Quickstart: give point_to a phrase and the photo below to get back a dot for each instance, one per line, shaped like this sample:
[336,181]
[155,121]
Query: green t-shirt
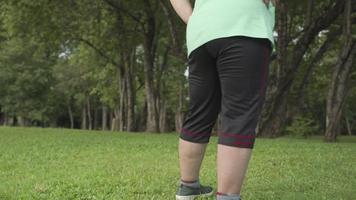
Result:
[213,19]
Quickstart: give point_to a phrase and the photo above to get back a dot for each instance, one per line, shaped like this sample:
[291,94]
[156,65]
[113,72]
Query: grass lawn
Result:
[44,163]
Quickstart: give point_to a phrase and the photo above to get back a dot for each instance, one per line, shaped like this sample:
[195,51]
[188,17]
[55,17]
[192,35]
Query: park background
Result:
[85,86]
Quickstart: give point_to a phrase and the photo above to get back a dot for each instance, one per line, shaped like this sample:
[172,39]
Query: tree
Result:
[341,74]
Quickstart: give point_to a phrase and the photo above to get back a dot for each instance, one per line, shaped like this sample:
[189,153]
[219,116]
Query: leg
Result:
[190,158]
[232,163]
[242,65]
[204,107]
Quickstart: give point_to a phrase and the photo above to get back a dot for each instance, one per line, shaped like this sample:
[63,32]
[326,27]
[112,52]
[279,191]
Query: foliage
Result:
[302,126]
[25,77]
[54,54]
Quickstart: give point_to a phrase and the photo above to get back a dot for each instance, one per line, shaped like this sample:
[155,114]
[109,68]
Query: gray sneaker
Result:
[190,193]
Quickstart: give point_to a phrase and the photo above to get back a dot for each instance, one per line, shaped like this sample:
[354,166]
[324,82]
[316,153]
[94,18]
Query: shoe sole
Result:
[192,197]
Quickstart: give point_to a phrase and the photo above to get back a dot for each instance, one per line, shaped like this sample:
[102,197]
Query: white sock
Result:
[220,196]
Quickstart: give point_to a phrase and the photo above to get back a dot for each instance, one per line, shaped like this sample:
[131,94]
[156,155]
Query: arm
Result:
[183,8]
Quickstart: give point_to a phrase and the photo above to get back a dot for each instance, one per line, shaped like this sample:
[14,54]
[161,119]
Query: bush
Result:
[302,126]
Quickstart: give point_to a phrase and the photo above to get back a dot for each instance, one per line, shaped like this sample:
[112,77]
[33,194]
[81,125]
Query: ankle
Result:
[194,183]
[222,196]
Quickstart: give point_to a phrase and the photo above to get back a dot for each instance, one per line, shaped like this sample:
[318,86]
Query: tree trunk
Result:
[22,121]
[163,126]
[177,49]
[142,118]
[121,114]
[131,93]
[338,87]
[274,113]
[128,58]
[348,126]
[151,122]
[115,120]
[70,114]
[90,121]
[84,117]
[6,119]
[9,120]
[111,120]
[104,118]
[96,118]
[179,117]
[149,55]
[274,116]
[302,91]
[161,88]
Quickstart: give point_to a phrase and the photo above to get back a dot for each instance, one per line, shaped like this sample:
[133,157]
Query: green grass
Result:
[38,163]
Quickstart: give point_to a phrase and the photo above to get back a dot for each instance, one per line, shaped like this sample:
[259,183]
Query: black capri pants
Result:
[229,76]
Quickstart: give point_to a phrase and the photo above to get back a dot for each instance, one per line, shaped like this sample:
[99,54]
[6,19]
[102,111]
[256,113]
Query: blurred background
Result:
[121,65]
